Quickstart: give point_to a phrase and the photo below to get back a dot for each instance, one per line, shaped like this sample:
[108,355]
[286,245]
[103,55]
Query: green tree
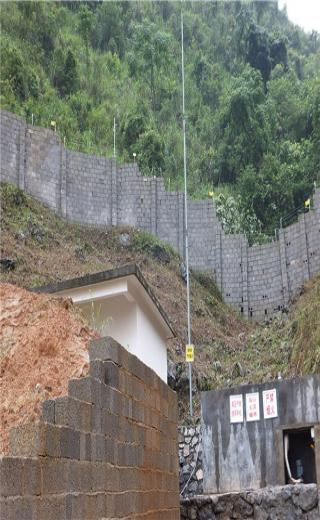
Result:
[86,20]
[65,76]
[150,152]
[16,71]
[259,51]
[151,57]
[280,185]
[107,30]
[244,125]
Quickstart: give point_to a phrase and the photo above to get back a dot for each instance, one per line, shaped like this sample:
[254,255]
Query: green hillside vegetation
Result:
[43,248]
[252,93]
[288,345]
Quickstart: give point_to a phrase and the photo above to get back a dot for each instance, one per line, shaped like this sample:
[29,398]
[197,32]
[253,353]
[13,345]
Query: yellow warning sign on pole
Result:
[190,353]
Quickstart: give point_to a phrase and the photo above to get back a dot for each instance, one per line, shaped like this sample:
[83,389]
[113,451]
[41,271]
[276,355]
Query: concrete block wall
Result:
[88,188]
[134,197]
[12,136]
[107,450]
[169,217]
[265,294]
[42,166]
[202,224]
[257,281]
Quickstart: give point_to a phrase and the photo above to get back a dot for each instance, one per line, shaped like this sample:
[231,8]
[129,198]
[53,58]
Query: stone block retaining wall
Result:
[257,281]
[299,502]
[107,450]
[190,460]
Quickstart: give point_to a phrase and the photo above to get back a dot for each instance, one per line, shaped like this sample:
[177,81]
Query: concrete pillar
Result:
[304,249]
[283,265]
[316,200]
[219,259]
[154,205]
[317,450]
[63,181]
[22,156]
[281,478]
[244,274]
[114,193]
[180,223]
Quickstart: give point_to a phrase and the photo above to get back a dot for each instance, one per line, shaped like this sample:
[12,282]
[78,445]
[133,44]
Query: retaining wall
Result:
[258,280]
[107,450]
[190,460]
[277,503]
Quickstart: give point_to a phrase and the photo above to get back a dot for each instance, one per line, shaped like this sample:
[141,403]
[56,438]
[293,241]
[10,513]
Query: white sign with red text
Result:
[236,408]
[252,407]
[270,406]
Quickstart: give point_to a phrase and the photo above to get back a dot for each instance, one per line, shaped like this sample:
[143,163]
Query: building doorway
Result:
[300,462]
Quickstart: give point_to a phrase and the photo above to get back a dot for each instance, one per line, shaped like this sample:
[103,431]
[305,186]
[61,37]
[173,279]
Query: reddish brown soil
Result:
[43,344]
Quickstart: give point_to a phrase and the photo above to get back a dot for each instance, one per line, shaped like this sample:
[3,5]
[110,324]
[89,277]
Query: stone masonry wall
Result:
[258,280]
[107,450]
[277,503]
[190,461]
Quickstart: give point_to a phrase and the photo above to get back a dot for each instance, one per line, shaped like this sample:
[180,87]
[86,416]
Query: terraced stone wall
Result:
[258,281]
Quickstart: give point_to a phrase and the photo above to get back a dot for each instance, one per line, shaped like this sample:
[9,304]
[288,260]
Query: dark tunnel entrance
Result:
[301,455]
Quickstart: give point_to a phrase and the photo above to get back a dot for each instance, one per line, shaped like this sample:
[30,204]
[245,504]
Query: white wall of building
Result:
[115,317]
[123,310]
[150,344]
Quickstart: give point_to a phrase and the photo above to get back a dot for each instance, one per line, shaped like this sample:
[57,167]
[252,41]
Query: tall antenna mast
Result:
[186,214]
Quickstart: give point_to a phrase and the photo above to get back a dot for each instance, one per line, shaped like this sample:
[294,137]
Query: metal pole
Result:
[186,213]
[114,137]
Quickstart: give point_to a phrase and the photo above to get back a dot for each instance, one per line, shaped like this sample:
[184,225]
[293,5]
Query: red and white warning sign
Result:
[252,407]
[270,405]
[236,408]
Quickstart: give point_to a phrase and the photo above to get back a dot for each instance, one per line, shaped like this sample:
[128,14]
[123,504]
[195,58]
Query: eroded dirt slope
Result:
[43,343]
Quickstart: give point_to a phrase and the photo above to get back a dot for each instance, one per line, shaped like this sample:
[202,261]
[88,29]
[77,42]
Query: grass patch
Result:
[145,242]
[208,283]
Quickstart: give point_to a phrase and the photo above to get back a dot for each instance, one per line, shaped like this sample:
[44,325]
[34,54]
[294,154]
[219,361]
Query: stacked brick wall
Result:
[106,450]
[257,281]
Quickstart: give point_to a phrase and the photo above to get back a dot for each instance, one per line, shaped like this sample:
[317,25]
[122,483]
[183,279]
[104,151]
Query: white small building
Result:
[119,303]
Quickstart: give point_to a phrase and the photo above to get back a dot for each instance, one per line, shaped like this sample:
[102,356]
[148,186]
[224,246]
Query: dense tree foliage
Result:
[252,93]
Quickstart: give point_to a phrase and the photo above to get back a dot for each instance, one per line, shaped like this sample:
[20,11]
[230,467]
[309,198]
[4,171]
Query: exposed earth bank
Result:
[44,343]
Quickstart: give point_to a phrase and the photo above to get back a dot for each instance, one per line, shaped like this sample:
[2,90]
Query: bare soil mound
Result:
[43,344]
